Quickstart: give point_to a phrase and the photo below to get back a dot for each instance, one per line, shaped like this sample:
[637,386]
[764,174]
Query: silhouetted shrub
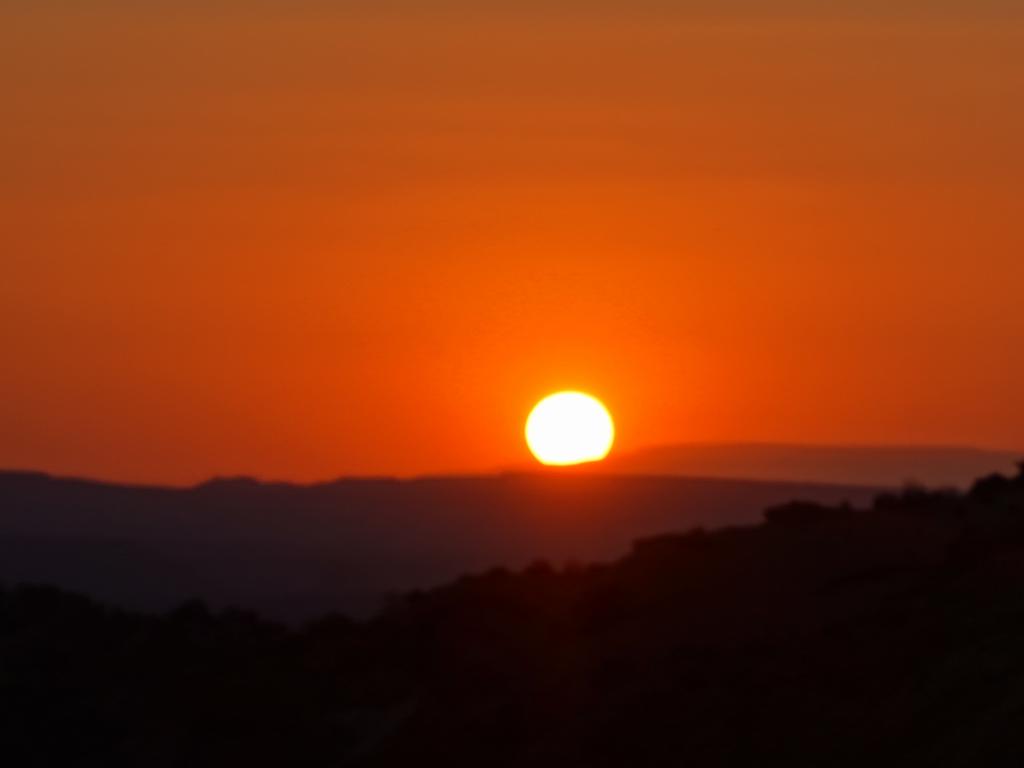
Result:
[917,500]
[990,490]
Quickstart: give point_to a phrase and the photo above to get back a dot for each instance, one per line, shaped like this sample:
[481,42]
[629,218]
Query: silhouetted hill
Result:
[889,636]
[294,551]
[891,466]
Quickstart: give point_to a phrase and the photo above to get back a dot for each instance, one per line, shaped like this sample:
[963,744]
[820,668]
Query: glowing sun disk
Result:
[569,428]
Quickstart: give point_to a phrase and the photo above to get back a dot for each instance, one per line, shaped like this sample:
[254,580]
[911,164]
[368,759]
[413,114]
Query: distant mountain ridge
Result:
[293,551]
[835,636]
[876,465]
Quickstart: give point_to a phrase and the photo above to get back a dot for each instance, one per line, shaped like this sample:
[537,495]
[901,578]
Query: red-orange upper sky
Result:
[305,239]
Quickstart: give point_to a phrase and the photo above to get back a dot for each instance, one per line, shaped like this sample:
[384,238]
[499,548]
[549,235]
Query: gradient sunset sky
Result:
[302,239]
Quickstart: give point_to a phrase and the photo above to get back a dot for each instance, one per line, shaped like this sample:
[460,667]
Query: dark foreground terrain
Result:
[825,636]
[294,552]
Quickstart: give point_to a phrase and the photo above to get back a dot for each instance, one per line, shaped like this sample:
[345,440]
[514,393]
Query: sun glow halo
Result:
[569,428]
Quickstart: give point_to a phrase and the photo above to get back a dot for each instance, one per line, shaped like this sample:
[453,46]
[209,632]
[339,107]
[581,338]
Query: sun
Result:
[569,428]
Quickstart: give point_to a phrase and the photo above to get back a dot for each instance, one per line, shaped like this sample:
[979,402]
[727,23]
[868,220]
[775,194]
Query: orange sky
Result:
[304,239]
